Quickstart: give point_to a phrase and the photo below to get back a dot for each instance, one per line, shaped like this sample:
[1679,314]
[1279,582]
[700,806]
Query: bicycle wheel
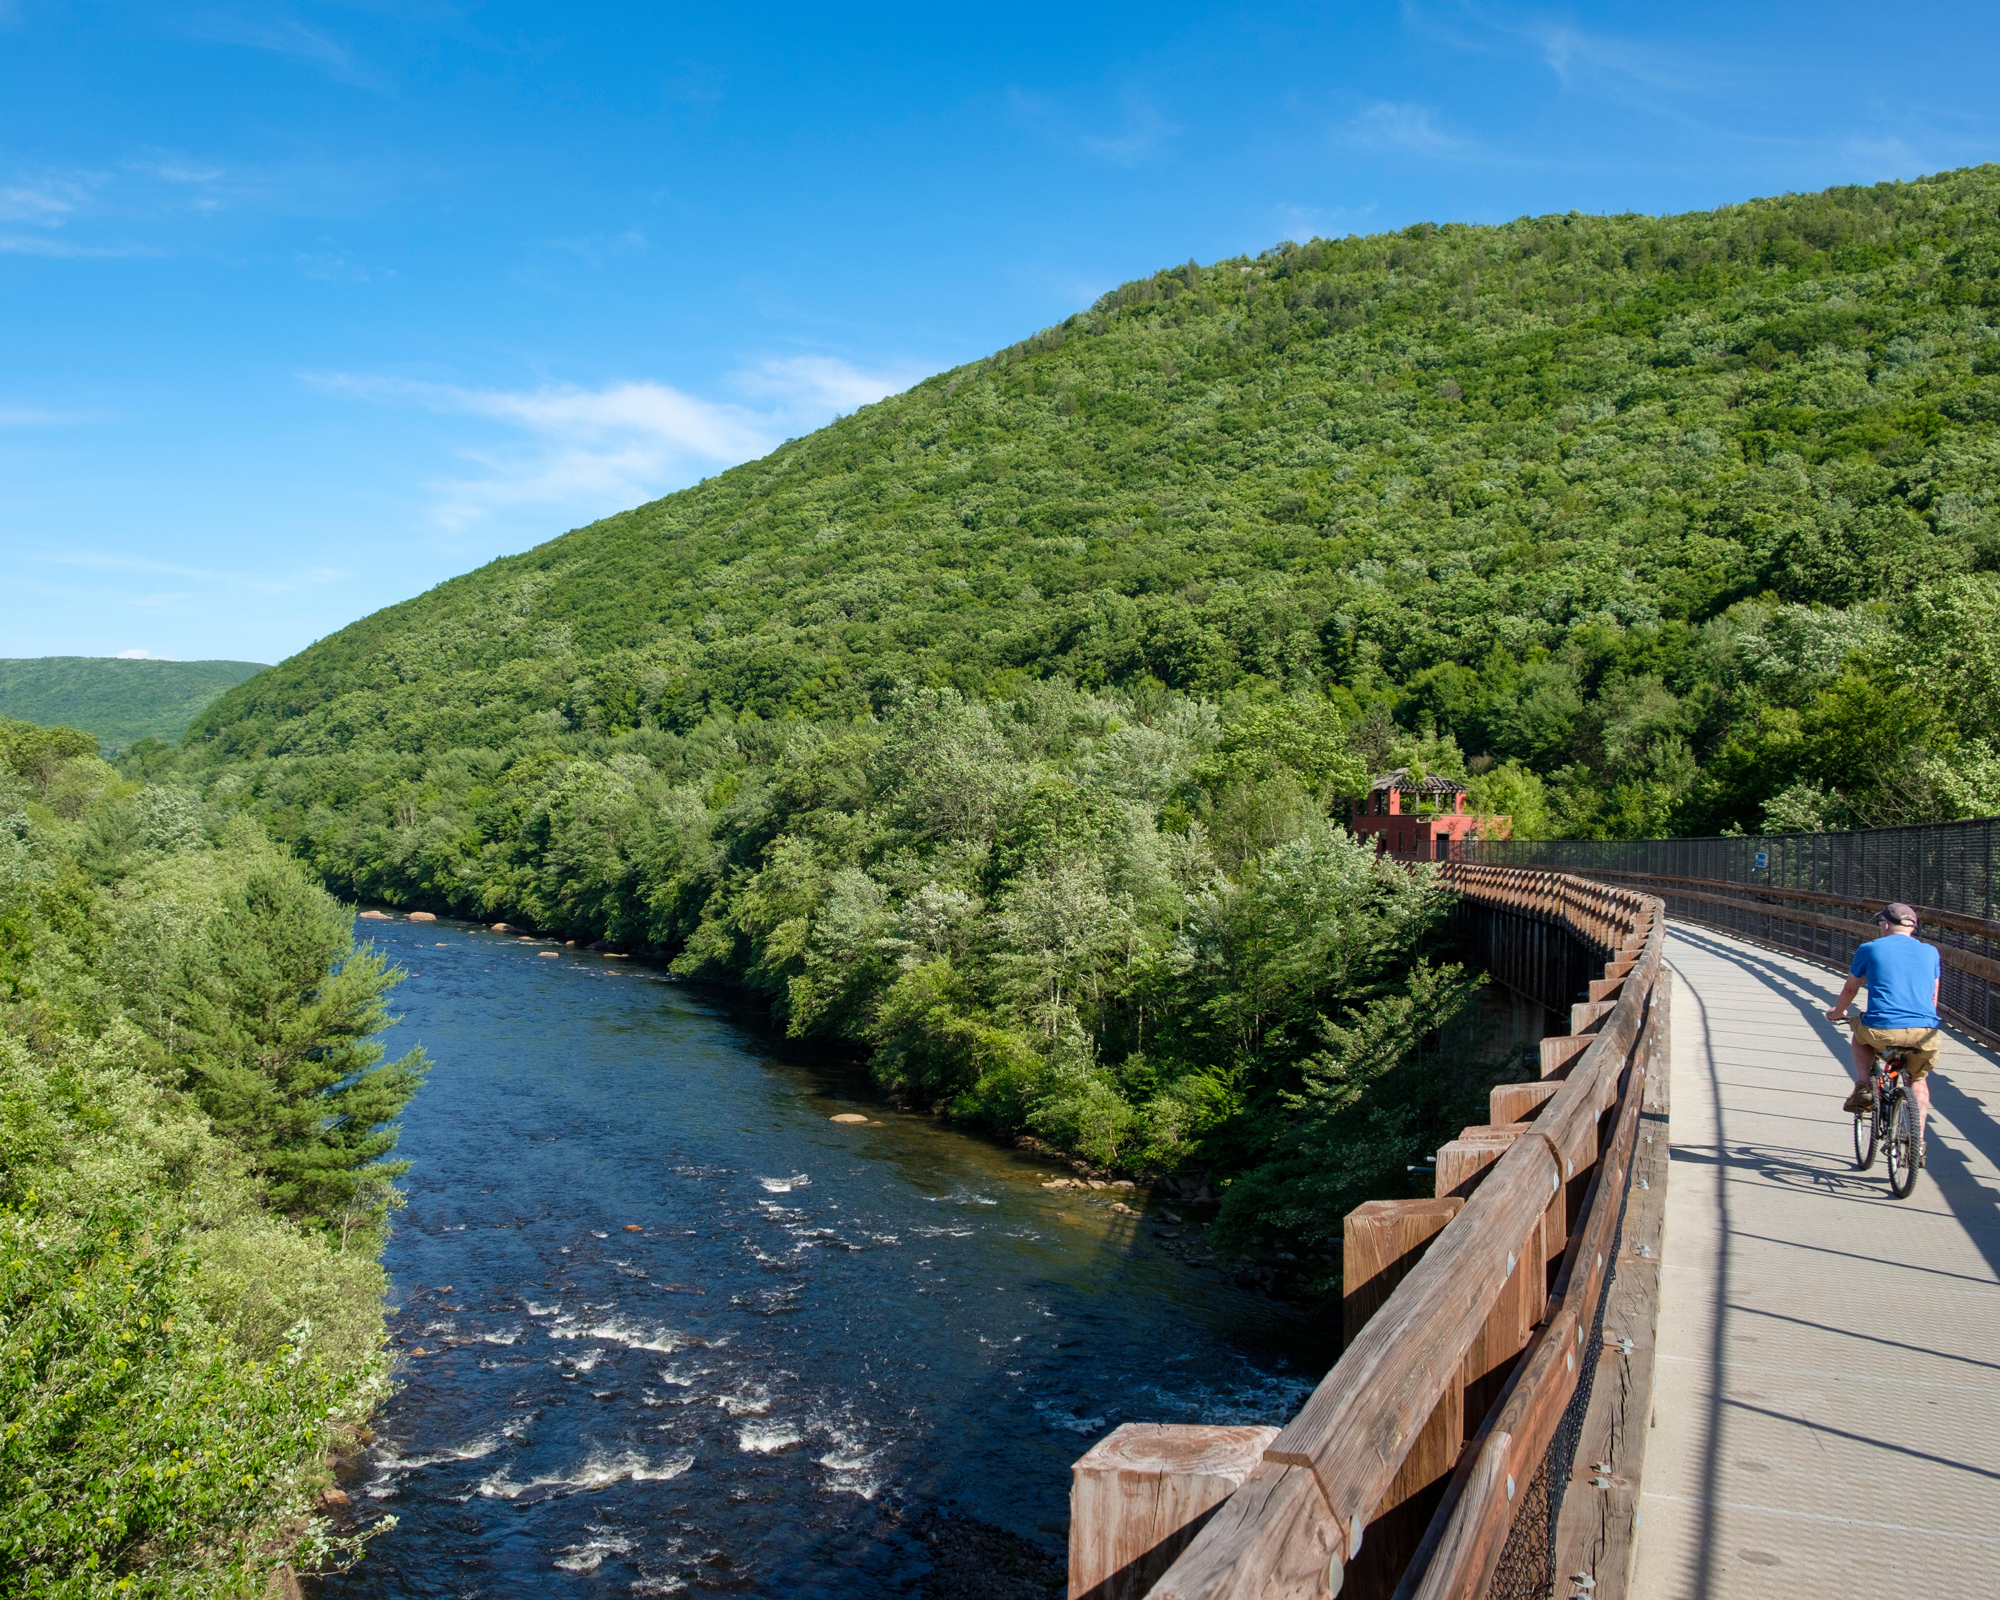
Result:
[1867,1129]
[1901,1144]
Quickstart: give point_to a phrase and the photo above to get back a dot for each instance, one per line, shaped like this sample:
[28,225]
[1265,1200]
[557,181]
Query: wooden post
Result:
[1139,1496]
[1381,1241]
[1555,1229]
[1490,1361]
[1463,1162]
[1559,1053]
[1585,1016]
[1519,1102]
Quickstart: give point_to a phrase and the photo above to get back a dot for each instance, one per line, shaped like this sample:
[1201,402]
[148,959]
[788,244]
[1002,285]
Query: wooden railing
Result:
[1470,1316]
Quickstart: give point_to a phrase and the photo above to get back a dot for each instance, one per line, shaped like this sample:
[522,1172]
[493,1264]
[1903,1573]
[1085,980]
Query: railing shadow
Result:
[1972,1203]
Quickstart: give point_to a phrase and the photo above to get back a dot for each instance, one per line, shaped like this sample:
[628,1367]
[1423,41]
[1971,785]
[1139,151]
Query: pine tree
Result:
[275,1024]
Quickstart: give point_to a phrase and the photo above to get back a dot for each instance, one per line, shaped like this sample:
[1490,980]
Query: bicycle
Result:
[1892,1108]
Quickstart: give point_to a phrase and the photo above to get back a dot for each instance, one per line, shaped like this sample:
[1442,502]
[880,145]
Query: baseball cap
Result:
[1896,911]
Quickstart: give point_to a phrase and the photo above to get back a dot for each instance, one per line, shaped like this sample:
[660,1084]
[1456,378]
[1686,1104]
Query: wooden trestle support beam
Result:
[1468,1319]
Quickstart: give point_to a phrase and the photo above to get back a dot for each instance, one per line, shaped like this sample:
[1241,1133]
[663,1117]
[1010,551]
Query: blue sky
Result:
[307,307]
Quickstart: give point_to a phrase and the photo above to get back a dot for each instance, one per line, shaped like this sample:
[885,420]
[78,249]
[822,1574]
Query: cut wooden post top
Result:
[1587,1016]
[1140,1494]
[1394,1210]
[1559,1052]
[1178,1448]
[1493,1132]
[1519,1102]
[1463,1162]
[1380,1241]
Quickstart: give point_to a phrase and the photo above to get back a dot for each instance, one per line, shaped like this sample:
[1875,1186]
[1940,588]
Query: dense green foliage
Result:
[1122,922]
[190,1200]
[997,728]
[1551,486]
[117,701]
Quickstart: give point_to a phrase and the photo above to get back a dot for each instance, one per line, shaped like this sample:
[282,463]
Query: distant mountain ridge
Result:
[116,700]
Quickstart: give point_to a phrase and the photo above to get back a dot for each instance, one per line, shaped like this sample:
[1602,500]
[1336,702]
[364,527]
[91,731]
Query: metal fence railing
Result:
[1814,894]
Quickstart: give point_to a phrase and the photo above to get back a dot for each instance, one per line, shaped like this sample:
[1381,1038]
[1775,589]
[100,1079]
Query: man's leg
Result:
[1918,1065]
[1864,1072]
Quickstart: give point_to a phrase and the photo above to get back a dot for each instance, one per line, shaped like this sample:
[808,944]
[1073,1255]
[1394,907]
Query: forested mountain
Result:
[115,700]
[996,727]
[1503,478]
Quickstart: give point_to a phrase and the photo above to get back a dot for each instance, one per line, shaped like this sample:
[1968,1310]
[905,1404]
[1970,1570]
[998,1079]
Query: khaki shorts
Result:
[1919,1046]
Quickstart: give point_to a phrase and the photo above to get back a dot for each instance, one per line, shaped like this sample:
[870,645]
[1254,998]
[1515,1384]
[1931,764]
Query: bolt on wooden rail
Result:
[1471,1318]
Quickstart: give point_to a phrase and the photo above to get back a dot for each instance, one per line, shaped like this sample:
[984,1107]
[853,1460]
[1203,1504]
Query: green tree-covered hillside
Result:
[1501,476]
[116,701]
[1002,729]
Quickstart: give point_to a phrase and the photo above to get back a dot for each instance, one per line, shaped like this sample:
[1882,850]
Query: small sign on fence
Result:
[1763,861]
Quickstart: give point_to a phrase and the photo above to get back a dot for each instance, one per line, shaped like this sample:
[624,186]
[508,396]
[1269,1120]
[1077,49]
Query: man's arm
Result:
[1847,992]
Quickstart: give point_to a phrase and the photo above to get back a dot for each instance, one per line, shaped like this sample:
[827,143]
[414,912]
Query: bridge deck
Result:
[1827,1402]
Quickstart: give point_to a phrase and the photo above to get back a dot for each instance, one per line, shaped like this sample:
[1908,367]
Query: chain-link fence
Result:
[1814,893]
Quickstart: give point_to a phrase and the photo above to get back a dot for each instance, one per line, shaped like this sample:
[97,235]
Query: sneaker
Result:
[1921,1149]
[1861,1102]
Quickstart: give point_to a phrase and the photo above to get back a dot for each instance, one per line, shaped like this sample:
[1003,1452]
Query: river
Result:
[666,1326]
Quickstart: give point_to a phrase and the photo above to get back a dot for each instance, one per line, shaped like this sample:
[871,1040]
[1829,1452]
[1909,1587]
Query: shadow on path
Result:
[1972,1202]
[1711,1454]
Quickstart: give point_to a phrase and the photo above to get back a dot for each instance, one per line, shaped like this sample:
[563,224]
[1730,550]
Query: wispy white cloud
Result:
[812,386]
[1877,160]
[34,417]
[336,266]
[1139,131]
[282,35]
[1062,284]
[1580,58]
[1327,222]
[139,655]
[172,166]
[596,449]
[50,203]
[256,582]
[1393,125]
[692,84]
[51,207]
[597,248]
[67,249]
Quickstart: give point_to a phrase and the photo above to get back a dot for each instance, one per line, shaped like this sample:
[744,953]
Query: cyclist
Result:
[1902,977]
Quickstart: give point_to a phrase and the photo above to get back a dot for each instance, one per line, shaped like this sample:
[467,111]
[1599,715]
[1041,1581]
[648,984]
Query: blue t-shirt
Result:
[1901,975]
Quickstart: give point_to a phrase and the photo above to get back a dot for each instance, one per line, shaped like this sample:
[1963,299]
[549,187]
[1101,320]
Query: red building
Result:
[1421,818]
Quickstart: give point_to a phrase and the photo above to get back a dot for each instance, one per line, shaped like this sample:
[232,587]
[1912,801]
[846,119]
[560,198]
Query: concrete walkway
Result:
[1827,1401]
